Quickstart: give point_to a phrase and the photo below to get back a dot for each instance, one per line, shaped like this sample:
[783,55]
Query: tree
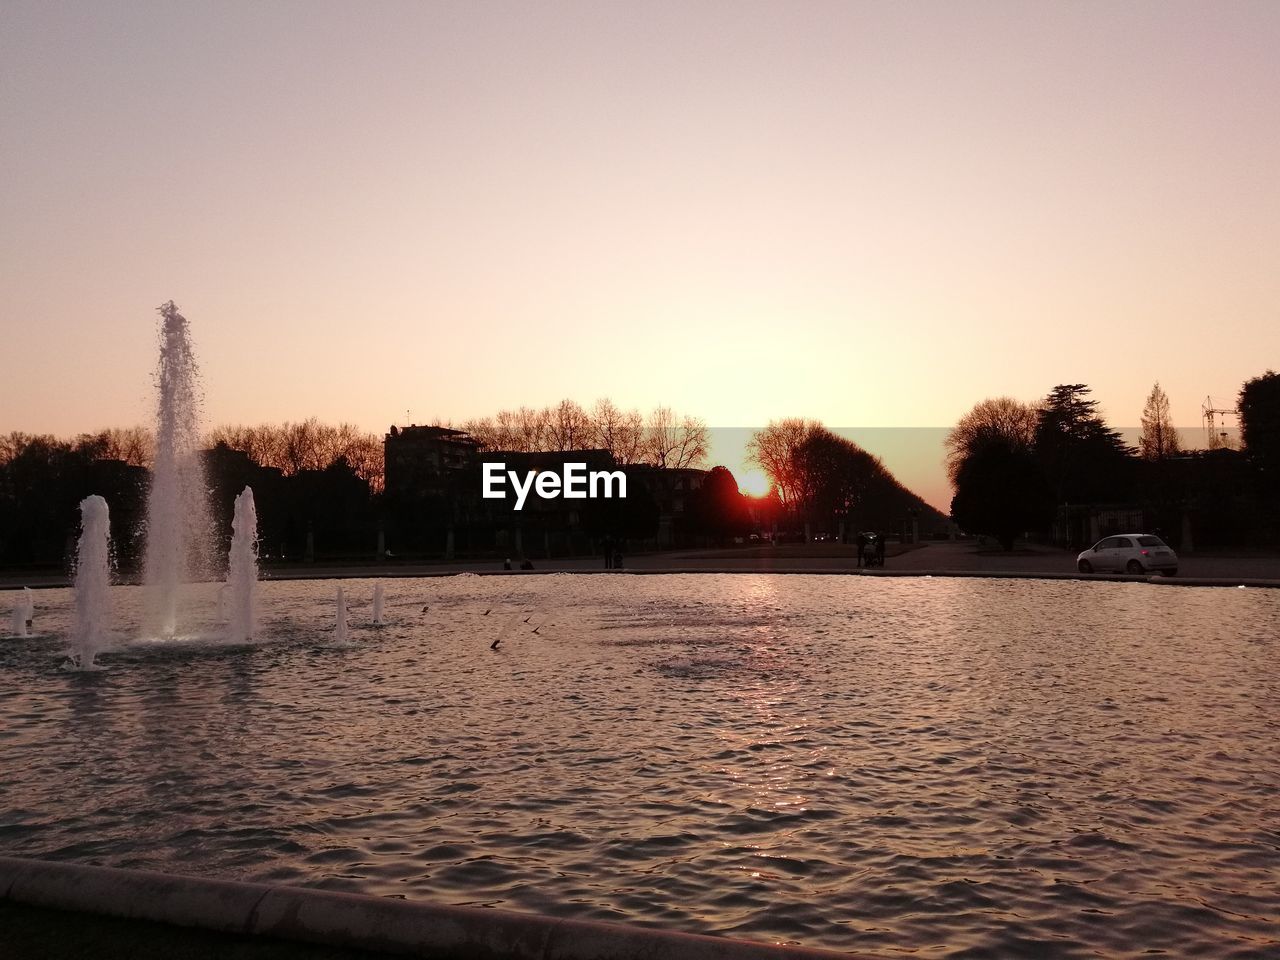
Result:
[621,432]
[719,508]
[996,419]
[674,442]
[1159,440]
[1259,406]
[827,479]
[568,427]
[1084,460]
[1001,492]
[776,451]
[307,445]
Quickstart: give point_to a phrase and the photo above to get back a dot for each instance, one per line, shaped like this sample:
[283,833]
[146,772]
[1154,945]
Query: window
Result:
[1150,542]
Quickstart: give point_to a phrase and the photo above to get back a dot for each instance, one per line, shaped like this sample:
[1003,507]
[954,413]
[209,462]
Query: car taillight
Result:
[1146,553]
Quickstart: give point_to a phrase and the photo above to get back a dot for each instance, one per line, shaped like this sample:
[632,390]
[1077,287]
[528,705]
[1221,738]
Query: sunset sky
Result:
[869,214]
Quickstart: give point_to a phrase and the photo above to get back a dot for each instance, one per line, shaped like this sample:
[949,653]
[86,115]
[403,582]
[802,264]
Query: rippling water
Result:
[893,766]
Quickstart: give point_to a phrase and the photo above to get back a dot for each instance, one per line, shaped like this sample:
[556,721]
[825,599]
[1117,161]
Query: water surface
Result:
[937,768]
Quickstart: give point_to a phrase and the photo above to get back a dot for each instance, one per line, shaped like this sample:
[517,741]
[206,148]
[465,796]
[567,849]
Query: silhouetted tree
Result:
[673,441]
[621,432]
[719,509]
[1084,460]
[997,419]
[307,445]
[1001,492]
[1259,406]
[1159,439]
[776,450]
[665,439]
[827,479]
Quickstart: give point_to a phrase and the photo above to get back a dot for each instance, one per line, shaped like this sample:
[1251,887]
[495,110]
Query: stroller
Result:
[872,550]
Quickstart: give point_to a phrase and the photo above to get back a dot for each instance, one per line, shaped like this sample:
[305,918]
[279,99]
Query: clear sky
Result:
[870,214]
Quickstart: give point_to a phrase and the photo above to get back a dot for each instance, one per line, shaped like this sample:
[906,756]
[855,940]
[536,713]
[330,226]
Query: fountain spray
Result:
[177,511]
[377,604]
[242,573]
[340,630]
[92,583]
[19,621]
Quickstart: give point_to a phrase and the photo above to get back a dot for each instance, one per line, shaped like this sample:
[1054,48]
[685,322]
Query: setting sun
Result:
[754,483]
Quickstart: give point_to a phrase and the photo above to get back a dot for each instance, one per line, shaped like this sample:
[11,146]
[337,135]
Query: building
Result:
[426,461]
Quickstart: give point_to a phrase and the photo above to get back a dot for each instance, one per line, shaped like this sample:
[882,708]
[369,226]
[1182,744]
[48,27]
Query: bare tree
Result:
[778,451]
[532,428]
[307,445]
[569,427]
[995,419]
[13,443]
[674,442]
[133,445]
[621,432]
[1159,439]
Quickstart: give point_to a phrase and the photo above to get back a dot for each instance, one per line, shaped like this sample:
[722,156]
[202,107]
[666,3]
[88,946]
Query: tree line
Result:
[1014,466]
[826,481]
[662,438]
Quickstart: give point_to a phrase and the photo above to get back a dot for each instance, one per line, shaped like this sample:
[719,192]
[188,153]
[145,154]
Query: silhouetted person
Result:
[608,553]
[862,546]
[506,564]
[526,564]
[879,551]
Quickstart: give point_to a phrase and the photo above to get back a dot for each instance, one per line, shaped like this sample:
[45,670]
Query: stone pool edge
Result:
[379,924]
[382,574]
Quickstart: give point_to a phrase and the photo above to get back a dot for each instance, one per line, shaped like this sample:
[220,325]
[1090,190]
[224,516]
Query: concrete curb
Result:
[360,922]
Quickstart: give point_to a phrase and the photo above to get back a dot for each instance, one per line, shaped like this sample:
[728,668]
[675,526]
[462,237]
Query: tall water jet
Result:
[92,584]
[377,604]
[340,630]
[177,509]
[242,572]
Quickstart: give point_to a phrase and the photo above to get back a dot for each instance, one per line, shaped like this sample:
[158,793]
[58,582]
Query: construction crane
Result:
[1214,414]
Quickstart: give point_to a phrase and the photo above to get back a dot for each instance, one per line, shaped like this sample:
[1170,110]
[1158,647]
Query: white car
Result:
[1129,553]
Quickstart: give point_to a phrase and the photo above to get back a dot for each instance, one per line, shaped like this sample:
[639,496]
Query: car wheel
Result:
[1133,567]
[1085,566]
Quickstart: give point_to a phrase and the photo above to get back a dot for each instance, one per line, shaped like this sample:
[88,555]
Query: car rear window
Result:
[1150,542]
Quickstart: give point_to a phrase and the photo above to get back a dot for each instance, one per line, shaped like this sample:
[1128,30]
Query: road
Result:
[937,558]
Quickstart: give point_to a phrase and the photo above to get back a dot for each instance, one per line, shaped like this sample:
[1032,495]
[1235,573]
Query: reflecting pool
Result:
[889,765]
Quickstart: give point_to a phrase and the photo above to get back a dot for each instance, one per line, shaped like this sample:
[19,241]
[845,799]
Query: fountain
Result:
[340,630]
[19,621]
[377,604]
[24,612]
[242,573]
[177,512]
[92,583]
